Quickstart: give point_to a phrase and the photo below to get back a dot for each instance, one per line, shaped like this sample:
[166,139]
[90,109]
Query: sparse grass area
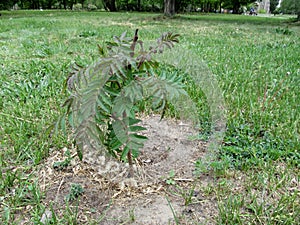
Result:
[256,61]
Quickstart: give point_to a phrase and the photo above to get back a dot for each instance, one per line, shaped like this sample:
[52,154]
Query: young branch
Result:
[132,47]
[135,39]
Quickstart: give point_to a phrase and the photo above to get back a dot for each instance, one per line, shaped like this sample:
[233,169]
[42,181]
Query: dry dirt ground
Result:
[164,189]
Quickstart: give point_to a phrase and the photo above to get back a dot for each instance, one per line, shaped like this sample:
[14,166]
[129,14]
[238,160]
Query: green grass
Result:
[256,62]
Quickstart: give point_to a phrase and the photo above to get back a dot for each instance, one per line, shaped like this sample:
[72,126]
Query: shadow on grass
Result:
[235,19]
[204,17]
[49,13]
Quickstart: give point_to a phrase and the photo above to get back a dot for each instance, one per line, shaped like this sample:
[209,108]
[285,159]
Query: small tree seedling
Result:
[102,104]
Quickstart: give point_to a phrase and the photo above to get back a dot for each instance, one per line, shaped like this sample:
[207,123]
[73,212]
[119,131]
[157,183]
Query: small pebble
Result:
[46,217]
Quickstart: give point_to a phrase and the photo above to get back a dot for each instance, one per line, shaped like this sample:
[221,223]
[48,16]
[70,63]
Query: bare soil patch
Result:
[163,181]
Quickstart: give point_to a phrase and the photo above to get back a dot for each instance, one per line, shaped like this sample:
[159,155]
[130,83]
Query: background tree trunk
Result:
[236,6]
[169,7]
[110,5]
[65,4]
[139,5]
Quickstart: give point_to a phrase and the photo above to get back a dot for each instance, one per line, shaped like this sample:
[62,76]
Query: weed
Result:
[7,216]
[173,211]
[8,179]
[187,195]
[218,168]
[131,215]
[230,210]
[87,33]
[35,192]
[60,165]
[71,216]
[75,191]
[284,31]
[170,179]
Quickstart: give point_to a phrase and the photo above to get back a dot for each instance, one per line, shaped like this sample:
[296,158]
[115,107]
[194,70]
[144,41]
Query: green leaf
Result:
[101,50]
[58,124]
[79,152]
[158,104]
[49,130]
[63,124]
[135,145]
[134,91]
[136,141]
[137,128]
[138,138]
[103,104]
[121,130]
[112,92]
[70,119]
[124,153]
[133,121]
[122,104]
[115,144]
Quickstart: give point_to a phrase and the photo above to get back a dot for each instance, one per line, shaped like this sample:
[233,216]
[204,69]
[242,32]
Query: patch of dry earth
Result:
[146,200]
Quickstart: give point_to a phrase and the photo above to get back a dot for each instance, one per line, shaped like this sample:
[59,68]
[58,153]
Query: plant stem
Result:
[135,39]
[129,158]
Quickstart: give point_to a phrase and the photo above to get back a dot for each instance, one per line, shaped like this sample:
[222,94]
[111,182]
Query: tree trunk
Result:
[169,7]
[139,5]
[110,5]
[65,4]
[49,4]
[236,9]
[81,2]
[236,6]
[34,4]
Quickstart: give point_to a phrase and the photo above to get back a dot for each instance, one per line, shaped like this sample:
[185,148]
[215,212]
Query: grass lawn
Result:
[255,61]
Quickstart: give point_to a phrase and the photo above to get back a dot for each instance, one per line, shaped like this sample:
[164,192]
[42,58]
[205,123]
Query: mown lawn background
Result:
[256,61]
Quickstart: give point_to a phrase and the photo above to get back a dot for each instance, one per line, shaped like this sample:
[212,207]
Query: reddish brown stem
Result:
[135,39]
[130,162]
